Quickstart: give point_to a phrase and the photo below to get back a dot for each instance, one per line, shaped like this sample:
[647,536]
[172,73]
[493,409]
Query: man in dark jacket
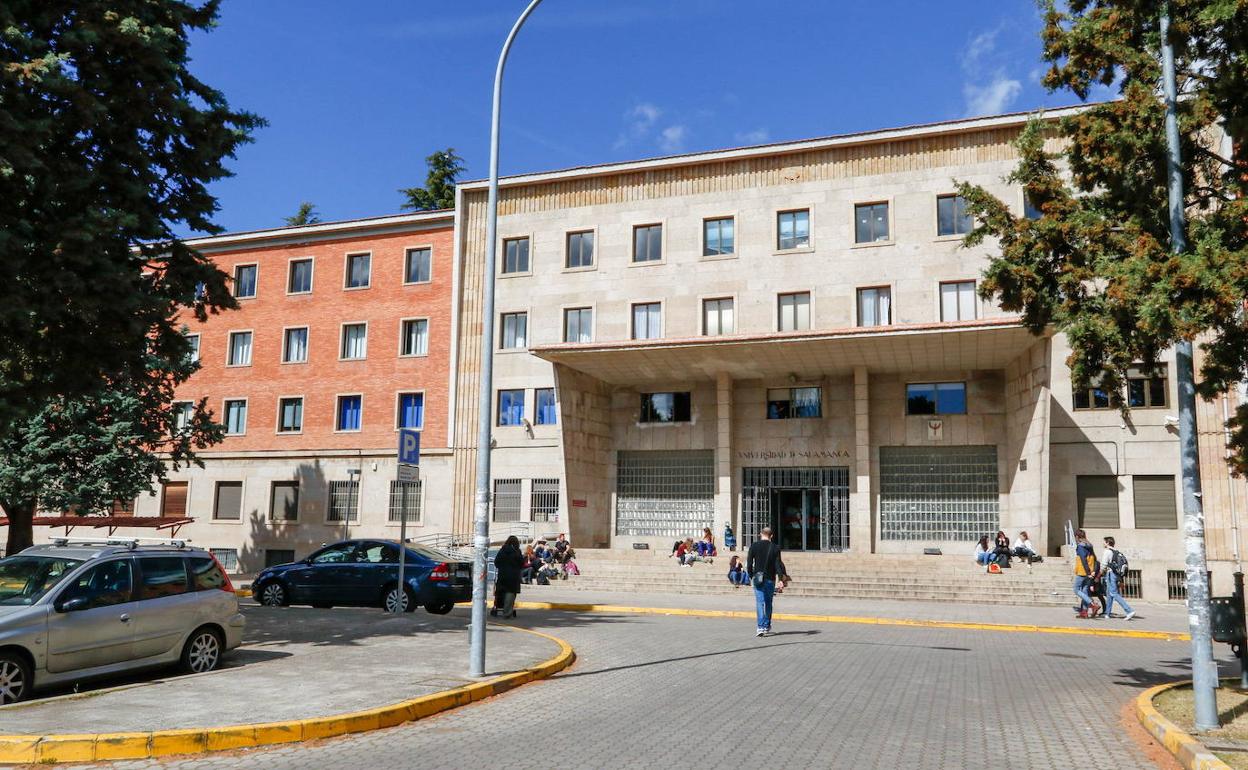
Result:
[763,564]
[509,562]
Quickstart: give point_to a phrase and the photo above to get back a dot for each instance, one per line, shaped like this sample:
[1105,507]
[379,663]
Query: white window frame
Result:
[290,267]
[342,340]
[398,407]
[346,270]
[307,344]
[229,347]
[407,250]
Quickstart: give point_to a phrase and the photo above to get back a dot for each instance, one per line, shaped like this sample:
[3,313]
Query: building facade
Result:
[342,336]
[790,336]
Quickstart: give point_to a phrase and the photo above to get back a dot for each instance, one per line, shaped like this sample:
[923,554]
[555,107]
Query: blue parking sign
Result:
[409,447]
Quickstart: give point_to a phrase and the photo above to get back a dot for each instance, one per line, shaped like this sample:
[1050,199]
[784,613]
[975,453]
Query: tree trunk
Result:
[21,531]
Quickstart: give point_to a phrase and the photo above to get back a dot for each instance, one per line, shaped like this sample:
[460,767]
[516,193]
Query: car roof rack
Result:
[126,542]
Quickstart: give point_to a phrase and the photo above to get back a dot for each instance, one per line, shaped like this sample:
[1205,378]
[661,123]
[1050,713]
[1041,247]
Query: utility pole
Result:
[1204,670]
[485,404]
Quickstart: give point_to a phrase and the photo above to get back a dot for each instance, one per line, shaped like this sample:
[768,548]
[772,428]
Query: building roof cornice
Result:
[325,230]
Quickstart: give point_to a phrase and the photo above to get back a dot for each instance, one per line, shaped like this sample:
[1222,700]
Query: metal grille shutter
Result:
[1098,502]
[229,503]
[664,493]
[173,501]
[1154,503]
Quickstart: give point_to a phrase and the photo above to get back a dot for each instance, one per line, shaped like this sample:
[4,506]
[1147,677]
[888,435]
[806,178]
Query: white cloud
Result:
[638,122]
[672,138]
[993,98]
[757,136]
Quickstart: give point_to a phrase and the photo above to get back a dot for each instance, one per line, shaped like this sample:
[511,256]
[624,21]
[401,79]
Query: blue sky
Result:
[357,98]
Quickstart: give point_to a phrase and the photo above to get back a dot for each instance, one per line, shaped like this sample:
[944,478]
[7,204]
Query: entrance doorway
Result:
[807,508]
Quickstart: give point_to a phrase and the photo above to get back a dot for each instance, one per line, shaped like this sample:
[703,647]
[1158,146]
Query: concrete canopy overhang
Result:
[986,344]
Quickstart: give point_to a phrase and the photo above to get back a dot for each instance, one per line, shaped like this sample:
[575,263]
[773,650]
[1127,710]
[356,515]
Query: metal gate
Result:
[757,485]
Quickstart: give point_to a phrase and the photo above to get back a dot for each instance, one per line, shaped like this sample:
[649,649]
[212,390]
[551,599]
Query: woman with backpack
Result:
[1114,563]
[1086,570]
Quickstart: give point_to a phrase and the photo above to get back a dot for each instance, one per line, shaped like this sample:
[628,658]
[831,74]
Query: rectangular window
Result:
[349,408]
[344,501]
[1098,501]
[936,398]
[1095,397]
[240,349]
[295,345]
[163,576]
[544,500]
[545,412]
[957,301]
[300,279]
[507,499]
[405,502]
[875,306]
[951,215]
[793,229]
[193,341]
[789,403]
[578,324]
[516,255]
[227,557]
[510,407]
[580,249]
[717,317]
[418,266]
[183,412]
[284,502]
[415,337]
[793,311]
[647,243]
[245,281]
[1155,506]
[354,341]
[275,556]
[665,407]
[515,328]
[359,270]
[290,415]
[718,237]
[1147,388]
[228,502]
[870,222]
[647,321]
[236,417]
[411,410]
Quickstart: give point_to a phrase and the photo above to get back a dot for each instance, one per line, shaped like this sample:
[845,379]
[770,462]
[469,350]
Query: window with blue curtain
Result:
[348,413]
[412,410]
[544,399]
[510,407]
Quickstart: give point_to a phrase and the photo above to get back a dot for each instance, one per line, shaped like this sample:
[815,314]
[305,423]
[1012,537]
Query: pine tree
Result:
[306,214]
[439,190]
[1096,262]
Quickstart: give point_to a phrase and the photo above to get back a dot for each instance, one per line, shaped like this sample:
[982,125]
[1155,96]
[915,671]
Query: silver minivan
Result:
[79,609]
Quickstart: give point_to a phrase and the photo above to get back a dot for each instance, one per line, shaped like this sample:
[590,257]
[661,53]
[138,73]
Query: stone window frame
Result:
[501,261]
[568,232]
[234,280]
[290,269]
[892,222]
[346,270]
[775,229]
[407,251]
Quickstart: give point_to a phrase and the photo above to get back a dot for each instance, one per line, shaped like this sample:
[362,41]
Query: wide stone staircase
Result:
[828,575]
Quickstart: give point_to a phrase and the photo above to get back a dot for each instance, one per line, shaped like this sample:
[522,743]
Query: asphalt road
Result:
[651,691]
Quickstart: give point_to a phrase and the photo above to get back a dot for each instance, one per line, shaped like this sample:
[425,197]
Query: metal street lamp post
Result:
[481,528]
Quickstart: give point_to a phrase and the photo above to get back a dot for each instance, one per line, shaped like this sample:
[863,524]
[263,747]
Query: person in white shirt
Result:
[1111,581]
[1023,548]
[983,552]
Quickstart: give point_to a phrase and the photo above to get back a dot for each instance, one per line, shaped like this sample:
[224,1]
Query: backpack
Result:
[1118,563]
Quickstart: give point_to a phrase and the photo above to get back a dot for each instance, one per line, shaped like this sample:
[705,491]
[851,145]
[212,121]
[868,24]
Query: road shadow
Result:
[1168,671]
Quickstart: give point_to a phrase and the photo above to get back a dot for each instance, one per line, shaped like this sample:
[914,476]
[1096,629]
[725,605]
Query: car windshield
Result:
[25,579]
[428,553]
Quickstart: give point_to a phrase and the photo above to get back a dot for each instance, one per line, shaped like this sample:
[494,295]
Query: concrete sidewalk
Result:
[296,663]
[1149,617]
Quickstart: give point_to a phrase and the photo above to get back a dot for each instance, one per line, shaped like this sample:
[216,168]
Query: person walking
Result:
[1114,565]
[1085,573]
[510,562]
[764,565]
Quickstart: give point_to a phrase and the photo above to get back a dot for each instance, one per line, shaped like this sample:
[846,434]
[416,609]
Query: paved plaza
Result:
[650,691]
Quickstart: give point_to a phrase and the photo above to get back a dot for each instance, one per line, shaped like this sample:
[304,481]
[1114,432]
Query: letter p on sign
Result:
[409,447]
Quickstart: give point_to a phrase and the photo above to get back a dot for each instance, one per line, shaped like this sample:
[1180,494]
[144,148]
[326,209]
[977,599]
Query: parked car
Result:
[365,573]
[79,609]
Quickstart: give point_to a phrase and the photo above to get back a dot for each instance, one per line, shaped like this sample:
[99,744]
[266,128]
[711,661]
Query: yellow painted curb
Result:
[27,749]
[1167,636]
[1190,752]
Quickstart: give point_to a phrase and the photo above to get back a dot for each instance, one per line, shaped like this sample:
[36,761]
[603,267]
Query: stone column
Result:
[723,458]
[860,522]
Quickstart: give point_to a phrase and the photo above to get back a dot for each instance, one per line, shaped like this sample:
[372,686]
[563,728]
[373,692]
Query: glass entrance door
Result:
[797,519]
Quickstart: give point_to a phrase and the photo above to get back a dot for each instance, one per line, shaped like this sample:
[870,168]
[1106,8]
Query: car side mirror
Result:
[73,604]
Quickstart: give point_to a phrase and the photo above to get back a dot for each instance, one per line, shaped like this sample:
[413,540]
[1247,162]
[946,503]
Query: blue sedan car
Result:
[365,573]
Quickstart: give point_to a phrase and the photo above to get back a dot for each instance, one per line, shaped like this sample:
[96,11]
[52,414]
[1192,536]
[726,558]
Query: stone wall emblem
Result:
[935,430]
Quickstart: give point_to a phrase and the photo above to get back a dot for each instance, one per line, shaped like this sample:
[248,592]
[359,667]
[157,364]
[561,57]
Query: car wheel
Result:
[274,595]
[202,652]
[390,602]
[440,608]
[15,678]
